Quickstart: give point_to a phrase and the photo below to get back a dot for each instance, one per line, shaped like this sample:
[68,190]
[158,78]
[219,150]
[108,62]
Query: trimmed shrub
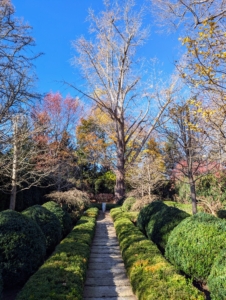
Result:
[217,279]
[162,223]
[146,213]
[194,244]
[128,203]
[151,276]
[48,222]
[62,215]
[63,275]
[22,247]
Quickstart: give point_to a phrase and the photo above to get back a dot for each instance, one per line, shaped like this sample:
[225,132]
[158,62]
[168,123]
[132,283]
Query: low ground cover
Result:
[62,276]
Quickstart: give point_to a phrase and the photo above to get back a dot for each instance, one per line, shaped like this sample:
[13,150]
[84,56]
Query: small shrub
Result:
[142,202]
[128,202]
[194,244]
[48,222]
[22,247]
[62,215]
[151,276]
[63,275]
[73,200]
[162,223]
[217,279]
[147,212]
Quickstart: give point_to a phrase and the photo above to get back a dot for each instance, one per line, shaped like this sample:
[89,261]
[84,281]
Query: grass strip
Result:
[152,277]
[62,276]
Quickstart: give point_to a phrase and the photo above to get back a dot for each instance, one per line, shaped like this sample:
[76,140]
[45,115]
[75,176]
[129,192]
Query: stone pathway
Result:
[106,276]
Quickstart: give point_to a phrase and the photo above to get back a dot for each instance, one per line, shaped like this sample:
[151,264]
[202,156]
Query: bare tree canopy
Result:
[188,12]
[16,77]
[113,75]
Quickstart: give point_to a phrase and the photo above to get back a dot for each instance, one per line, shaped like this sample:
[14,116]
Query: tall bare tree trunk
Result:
[120,167]
[12,204]
[193,194]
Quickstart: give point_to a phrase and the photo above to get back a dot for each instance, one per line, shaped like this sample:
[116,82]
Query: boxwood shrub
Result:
[22,247]
[62,215]
[162,223]
[217,279]
[128,203]
[146,213]
[151,276]
[63,275]
[194,244]
[48,222]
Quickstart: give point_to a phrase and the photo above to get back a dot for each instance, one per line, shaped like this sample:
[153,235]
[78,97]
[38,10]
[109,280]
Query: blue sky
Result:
[56,23]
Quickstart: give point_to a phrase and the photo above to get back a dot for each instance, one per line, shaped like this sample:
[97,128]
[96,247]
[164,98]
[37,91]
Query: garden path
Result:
[106,276]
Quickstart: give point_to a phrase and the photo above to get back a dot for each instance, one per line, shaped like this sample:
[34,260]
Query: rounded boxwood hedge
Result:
[48,222]
[217,279]
[22,247]
[162,223]
[127,204]
[62,215]
[146,213]
[195,243]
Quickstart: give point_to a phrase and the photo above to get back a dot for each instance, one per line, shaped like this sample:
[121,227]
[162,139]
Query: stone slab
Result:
[107,281]
[112,298]
[108,291]
[105,265]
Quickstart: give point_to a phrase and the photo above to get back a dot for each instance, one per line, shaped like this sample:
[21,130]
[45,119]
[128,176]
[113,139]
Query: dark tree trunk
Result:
[193,195]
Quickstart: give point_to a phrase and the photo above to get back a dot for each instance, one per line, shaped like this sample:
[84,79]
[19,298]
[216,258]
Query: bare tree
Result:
[16,77]
[190,13]
[110,68]
[24,161]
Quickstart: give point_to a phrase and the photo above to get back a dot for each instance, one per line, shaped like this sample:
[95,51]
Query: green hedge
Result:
[151,276]
[146,213]
[48,222]
[63,275]
[162,223]
[217,279]
[22,247]
[61,214]
[128,203]
[194,244]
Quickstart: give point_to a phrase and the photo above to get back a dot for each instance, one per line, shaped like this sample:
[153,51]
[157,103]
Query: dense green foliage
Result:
[151,276]
[194,244]
[162,223]
[147,211]
[61,214]
[22,247]
[63,275]
[217,279]
[128,203]
[48,222]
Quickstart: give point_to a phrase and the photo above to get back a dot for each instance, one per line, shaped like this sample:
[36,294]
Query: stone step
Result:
[108,291]
[117,274]
[104,259]
[107,281]
[105,265]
